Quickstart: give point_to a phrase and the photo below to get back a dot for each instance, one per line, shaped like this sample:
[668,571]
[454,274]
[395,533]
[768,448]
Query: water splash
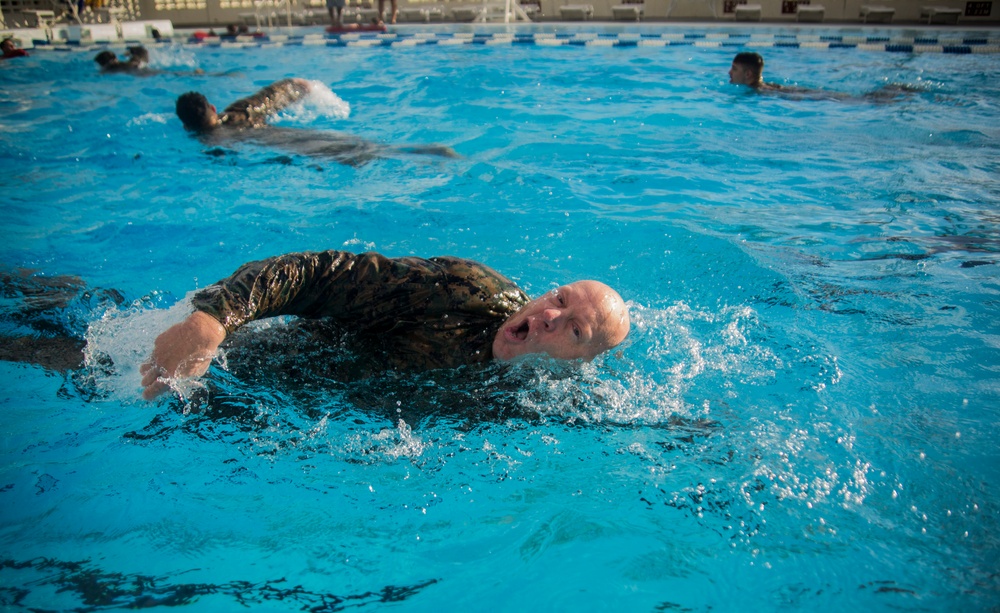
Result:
[654,378]
[121,339]
[386,445]
[150,118]
[320,103]
[172,56]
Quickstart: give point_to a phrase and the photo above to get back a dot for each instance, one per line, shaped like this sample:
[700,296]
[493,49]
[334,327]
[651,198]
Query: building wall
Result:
[219,13]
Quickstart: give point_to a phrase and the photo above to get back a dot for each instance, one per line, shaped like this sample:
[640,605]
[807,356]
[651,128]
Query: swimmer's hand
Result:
[183,350]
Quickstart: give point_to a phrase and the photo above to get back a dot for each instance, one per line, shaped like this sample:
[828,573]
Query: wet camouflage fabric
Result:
[252,112]
[416,313]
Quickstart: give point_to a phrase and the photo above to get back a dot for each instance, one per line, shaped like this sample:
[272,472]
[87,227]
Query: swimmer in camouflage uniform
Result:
[199,115]
[415,313]
[202,118]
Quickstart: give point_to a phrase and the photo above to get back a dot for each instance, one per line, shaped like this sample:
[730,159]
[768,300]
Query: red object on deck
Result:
[359,27]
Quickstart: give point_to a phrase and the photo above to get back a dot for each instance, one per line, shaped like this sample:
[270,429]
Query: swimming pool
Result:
[804,416]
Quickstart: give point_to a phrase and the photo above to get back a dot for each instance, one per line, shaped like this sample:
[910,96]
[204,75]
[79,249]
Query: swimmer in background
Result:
[246,120]
[11,50]
[136,63]
[748,69]
[200,116]
[138,56]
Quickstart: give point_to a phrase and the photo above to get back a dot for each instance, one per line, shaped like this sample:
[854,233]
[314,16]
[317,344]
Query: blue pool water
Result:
[805,415]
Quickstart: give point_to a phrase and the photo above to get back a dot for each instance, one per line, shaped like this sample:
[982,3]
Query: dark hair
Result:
[138,53]
[751,60]
[106,58]
[194,111]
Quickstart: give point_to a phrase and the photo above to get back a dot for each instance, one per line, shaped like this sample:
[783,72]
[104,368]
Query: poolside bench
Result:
[466,13]
[576,12]
[40,18]
[747,12]
[414,14]
[627,12]
[531,8]
[940,14]
[871,13]
[810,12]
[366,14]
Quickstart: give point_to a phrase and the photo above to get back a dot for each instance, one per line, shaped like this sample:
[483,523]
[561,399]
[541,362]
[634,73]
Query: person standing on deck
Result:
[381,10]
[336,10]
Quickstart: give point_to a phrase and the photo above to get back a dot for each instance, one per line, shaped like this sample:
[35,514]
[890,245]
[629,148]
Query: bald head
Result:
[611,316]
[579,320]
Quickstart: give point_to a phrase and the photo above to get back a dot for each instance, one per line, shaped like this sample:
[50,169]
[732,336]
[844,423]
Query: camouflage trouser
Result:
[43,319]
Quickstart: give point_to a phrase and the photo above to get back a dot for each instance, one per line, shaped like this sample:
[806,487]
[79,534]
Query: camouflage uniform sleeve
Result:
[372,293]
[255,109]
[293,284]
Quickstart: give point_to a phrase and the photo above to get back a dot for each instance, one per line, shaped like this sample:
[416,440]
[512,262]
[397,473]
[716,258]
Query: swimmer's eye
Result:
[560,300]
[576,332]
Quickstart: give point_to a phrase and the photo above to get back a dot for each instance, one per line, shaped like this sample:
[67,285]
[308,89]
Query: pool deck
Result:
[892,37]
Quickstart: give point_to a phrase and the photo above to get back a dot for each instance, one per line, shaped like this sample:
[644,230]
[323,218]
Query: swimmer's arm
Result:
[257,290]
[183,350]
[270,100]
[308,284]
[367,290]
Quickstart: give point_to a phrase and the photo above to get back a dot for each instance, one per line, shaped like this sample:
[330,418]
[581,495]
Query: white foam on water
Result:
[150,118]
[171,56]
[386,445]
[321,102]
[121,340]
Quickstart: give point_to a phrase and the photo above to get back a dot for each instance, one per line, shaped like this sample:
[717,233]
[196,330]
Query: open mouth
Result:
[520,332]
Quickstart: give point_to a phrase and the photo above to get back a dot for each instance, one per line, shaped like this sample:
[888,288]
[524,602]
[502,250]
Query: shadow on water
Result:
[100,590]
